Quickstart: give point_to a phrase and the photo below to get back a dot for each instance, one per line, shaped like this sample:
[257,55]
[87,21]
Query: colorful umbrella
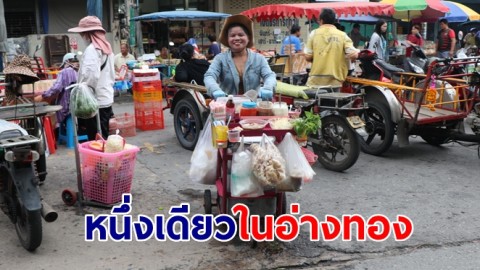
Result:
[459,12]
[408,9]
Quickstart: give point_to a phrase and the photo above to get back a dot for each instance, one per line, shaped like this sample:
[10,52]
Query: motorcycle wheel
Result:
[380,130]
[187,123]
[340,148]
[28,227]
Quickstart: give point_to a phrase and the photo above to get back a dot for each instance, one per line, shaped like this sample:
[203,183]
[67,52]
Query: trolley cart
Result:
[272,200]
[106,176]
[70,197]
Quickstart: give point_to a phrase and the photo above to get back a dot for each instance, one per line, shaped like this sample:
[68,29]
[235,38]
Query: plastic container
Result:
[106,176]
[265,108]
[234,135]
[237,100]
[280,109]
[248,109]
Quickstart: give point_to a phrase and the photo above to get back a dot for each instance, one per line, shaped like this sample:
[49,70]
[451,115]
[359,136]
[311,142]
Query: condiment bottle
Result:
[230,108]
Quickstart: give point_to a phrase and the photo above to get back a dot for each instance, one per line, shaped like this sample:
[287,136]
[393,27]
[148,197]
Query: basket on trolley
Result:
[106,176]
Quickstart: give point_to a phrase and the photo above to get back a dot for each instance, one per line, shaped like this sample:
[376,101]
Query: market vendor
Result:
[66,77]
[238,69]
[123,57]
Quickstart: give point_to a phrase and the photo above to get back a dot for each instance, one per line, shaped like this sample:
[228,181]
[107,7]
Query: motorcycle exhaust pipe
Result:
[47,212]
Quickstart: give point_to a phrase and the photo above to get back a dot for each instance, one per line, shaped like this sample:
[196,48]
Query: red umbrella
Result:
[313,10]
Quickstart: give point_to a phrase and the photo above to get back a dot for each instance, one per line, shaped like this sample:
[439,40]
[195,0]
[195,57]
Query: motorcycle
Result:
[336,143]
[394,108]
[20,197]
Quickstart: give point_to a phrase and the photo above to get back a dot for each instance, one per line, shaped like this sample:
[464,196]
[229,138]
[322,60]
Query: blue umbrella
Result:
[181,15]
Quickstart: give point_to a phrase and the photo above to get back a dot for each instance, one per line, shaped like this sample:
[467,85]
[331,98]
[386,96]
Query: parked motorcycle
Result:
[20,197]
[336,143]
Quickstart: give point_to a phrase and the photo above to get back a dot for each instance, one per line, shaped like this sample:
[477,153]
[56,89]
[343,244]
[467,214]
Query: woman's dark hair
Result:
[212,38]
[295,28]
[378,28]
[230,26]
[417,26]
[327,16]
[186,51]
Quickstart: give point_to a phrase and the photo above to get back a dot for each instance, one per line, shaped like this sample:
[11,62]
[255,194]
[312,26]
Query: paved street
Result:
[438,188]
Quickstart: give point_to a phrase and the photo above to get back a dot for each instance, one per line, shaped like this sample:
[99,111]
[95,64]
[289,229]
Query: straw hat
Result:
[21,65]
[87,24]
[237,19]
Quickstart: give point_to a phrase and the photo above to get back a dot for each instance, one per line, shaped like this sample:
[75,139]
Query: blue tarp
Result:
[94,8]
[363,18]
[181,15]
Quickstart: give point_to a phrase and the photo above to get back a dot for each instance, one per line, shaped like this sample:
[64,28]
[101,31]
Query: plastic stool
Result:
[47,126]
[66,134]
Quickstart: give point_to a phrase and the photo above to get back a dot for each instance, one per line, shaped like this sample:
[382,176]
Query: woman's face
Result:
[237,39]
[384,28]
[414,31]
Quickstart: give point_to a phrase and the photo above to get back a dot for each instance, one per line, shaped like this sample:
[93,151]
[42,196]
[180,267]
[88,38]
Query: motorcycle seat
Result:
[10,130]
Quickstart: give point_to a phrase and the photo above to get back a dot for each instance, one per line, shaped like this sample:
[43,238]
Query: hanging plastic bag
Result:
[297,167]
[83,103]
[268,164]
[243,183]
[203,168]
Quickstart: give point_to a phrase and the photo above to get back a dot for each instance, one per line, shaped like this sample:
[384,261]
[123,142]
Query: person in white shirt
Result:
[97,71]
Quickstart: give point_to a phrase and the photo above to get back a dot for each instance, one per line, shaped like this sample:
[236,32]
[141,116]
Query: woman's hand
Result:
[218,93]
[38,98]
[266,94]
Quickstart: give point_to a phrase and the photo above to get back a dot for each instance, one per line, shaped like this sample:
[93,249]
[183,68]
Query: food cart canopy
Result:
[181,15]
[313,10]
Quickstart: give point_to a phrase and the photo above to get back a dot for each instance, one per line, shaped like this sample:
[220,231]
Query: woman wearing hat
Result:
[97,71]
[239,69]
[65,78]
[18,72]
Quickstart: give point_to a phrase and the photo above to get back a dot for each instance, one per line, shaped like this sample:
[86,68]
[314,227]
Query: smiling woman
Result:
[239,69]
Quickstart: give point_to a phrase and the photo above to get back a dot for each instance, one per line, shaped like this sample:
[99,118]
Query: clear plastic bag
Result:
[83,103]
[297,167]
[268,164]
[203,168]
[243,183]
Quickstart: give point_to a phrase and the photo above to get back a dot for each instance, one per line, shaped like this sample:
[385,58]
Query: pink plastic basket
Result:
[106,176]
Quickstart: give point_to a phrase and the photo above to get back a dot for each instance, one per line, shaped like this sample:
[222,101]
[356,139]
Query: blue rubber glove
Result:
[218,93]
[266,94]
